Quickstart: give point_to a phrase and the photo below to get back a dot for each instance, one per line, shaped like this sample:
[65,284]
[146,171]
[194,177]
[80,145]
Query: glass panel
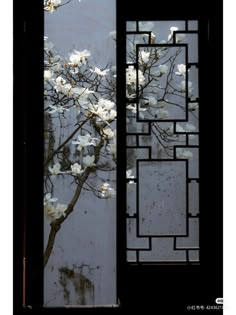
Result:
[80,153]
[162,112]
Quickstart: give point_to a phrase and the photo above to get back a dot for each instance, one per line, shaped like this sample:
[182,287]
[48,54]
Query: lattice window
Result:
[162,102]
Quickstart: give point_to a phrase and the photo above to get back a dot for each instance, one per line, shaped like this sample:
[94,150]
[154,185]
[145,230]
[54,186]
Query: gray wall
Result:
[82,267]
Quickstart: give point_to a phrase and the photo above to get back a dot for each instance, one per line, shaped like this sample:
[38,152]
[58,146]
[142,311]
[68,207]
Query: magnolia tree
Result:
[79,97]
[157,90]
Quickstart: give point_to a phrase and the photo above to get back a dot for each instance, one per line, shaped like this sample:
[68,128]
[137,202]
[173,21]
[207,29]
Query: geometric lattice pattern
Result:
[162,143]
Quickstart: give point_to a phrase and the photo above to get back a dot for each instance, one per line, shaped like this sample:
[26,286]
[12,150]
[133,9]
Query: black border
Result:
[161,288]
[28,152]
[171,288]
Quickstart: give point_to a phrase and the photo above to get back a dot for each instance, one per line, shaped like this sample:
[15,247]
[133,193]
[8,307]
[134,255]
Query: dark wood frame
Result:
[162,288]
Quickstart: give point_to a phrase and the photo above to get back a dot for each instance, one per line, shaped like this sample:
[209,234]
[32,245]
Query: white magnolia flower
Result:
[131,76]
[133,108]
[48,198]
[57,109]
[99,71]
[76,169]
[78,58]
[104,110]
[83,55]
[128,175]
[107,191]
[56,169]
[98,111]
[60,83]
[104,114]
[88,161]
[161,113]
[192,106]
[183,154]
[182,86]
[178,37]
[75,63]
[75,60]
[106,104]
[82,94]
[47,45]
[151,101]
[181,70]
[163,69]
[153,37]
[109,133]
[49,211]
[84,141]
[51,5]
[67,89]
[63,87]
[60,210]
[113,34]
[48,74]
[110,115]
[141,78]
[172,30]
[82,99]
[54,213]
[144,57]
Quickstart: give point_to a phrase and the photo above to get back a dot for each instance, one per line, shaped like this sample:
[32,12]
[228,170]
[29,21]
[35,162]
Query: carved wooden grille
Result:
[162,143]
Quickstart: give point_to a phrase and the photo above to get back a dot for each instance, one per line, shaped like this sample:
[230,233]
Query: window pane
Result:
[162,142]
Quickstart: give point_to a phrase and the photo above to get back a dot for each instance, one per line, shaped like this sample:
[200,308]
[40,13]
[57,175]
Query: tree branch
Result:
[56,224]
